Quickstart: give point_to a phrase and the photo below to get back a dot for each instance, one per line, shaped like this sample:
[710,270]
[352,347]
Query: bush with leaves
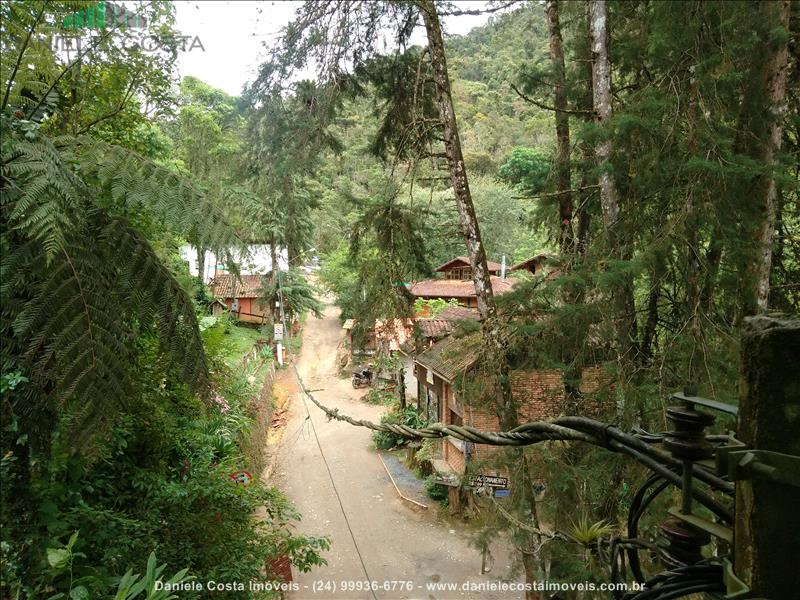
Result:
[409,416]
[160,480]
[436,491]
[298,295]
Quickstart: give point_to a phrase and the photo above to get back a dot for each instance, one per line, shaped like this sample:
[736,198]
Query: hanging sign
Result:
[478,481]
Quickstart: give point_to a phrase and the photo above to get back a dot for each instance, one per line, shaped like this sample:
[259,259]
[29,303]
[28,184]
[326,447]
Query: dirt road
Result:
[396,543]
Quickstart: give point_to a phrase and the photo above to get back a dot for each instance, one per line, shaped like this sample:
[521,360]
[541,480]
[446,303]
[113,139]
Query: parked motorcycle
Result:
[362,377]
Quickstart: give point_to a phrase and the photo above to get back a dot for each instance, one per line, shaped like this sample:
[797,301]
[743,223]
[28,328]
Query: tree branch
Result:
[19,57]
[125,99]
[544,106]
[559,193]
[481,11]
[66,69]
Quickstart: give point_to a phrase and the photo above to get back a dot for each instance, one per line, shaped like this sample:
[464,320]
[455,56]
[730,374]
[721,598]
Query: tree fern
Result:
[28,62]
[79,278]
[45,191]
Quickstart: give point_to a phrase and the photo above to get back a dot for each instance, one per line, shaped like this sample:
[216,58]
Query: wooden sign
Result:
[478,481]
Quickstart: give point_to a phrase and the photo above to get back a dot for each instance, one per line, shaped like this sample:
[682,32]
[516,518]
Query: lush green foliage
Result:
[121,422]
[653,295]
[294,292]
[527,169]
[160,480]
[409,416]
[436,491]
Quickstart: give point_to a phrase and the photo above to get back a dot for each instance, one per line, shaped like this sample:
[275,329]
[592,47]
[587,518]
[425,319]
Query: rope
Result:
[582,429]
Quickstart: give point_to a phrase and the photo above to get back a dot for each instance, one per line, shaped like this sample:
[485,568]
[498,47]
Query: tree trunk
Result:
[585,197]
[401,388]
[773,80]
[495,362]
[651,324]
[622,292]
[693,300]
[273,277]
[201,265]
[767,519]
[532,560]
[601,93]
[455,162]
[562,162]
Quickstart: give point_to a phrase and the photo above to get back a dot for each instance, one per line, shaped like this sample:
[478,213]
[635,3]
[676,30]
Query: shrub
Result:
[409,416]
[436,491]
[376,396]
[159,481]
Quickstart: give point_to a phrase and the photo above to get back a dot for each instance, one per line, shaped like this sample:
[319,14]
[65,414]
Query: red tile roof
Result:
[458,313]
[454,288]
[228,286]
[435,328]
[463,261]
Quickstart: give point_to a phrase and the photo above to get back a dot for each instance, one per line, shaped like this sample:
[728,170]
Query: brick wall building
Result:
[441,375]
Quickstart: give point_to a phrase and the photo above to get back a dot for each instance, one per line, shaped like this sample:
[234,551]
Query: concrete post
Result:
[767,526]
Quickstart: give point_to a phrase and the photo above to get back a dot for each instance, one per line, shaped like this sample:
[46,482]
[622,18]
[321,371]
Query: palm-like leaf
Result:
[78,277]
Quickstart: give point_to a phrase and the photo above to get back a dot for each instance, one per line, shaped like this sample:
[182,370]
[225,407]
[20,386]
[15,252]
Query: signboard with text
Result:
[278,332]
[478,481]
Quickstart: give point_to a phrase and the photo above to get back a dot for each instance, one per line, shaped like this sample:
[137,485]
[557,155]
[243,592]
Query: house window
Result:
[455,419]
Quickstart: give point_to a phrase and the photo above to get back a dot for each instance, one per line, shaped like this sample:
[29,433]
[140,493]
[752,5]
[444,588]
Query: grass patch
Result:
[238,340]
[380,397]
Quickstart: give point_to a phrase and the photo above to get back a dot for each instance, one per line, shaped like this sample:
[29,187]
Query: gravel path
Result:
[395,543]
[404,478]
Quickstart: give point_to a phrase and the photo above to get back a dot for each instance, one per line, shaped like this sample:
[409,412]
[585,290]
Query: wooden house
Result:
[532,265]
[241,296]
[444,373]
[545,265]
[455,283]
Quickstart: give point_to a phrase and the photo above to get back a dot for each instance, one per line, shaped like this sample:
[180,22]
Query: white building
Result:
[256,261]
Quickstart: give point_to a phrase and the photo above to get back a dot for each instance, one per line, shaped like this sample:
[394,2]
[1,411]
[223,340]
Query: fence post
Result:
[767,526]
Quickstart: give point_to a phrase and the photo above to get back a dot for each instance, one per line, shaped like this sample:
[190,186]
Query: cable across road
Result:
[566,429]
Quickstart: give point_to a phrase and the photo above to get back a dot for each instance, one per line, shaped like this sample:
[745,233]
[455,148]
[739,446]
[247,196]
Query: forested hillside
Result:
[645,154]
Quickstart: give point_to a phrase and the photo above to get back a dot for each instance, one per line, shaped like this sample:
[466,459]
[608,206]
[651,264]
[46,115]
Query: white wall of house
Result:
[256,261]
[409,377]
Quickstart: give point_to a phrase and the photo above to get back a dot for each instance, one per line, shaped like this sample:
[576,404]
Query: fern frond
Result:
[42,192]
[134,182]
[69,329]
[149,290]
[72,316]
[79,280]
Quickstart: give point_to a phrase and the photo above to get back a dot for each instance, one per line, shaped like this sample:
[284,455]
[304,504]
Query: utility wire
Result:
[304,393]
